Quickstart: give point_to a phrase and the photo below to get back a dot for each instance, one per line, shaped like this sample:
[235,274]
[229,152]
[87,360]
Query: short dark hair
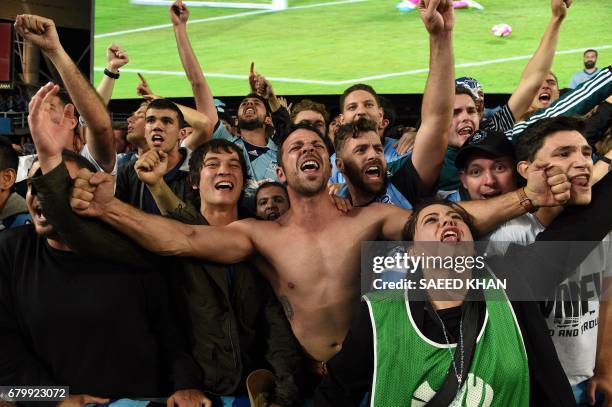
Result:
[216,146]
[292,129]
[307,104]
[263,100]
[532,139]
[591,50]
[8,155]
[359,86]
[411,224]
[270,184]
[462,90]
[169,105]
[344,131]
[389,111]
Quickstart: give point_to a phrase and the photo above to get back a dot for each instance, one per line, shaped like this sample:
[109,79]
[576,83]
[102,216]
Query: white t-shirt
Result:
[26,161]
[573,315]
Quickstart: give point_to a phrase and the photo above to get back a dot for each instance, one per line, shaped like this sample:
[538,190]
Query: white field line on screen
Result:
[227,17]
[356,80]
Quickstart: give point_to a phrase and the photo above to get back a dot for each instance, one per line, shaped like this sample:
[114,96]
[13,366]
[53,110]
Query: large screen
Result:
[323,46]
[6,49]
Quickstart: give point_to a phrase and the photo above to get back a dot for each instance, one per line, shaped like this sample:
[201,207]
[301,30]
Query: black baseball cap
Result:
[494,143]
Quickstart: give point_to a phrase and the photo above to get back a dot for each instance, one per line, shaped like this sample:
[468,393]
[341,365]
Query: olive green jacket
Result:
[232,330]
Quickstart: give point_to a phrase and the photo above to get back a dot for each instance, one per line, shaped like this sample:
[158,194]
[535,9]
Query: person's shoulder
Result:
[13,237]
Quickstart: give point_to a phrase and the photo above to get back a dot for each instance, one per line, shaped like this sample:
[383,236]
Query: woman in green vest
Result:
[481,352]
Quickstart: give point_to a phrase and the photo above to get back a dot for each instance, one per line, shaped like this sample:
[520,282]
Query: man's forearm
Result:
[536,70]
[154,233]
[201,91]
[90,106]
[489,214]
[437,110]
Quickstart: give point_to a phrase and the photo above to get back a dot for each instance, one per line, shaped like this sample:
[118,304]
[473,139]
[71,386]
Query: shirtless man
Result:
[313,249]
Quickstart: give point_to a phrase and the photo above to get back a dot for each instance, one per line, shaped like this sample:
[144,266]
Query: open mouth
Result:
[224,185]
[491,194]
[273,215]
[41,218]
[465,131]
[249,111]
[544,98]
[581,180]
[157,140]
[309,166]
[450,235]
[373,171]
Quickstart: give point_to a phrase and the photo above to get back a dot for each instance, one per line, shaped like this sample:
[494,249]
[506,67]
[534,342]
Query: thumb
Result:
[84,174]
[591,386]
[539,164]
[98,178]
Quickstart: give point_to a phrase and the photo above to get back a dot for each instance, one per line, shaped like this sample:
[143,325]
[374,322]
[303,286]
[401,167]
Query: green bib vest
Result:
[409,368]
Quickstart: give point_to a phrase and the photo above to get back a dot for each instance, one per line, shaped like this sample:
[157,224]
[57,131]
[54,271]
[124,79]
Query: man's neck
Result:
[219,215]
[359,197]
[310,211]
[58,245]
[174,157]
[590,71]
[256,137]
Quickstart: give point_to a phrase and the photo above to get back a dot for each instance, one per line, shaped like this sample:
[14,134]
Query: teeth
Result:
[224,184]
[310,164]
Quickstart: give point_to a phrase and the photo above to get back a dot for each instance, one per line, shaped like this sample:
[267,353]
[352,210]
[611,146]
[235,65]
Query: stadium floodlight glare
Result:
[263,5]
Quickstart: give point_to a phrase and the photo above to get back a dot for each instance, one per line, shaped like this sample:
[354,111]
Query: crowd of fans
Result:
[189,257]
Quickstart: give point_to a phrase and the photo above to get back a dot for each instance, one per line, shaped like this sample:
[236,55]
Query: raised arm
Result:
[437,109]
[116,57]
[93,196]
[540,63]
[42,33]
[202,126]
[179,14]
[574,103]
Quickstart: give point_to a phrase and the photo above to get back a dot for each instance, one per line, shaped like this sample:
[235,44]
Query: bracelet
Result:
[525,201]
[606,160]
[110,74]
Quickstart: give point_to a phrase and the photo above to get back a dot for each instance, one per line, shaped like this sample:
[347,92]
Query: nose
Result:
[489,178]
[447,220]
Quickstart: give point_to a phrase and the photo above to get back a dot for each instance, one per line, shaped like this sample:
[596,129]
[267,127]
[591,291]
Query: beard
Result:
[251,124]
[354,174]
[589,64]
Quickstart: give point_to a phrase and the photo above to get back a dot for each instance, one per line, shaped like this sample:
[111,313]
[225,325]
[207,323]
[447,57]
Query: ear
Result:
[7,179]
[385,123]
[463,177]
[522,167]
[280,173]
[339,164]
[268,121]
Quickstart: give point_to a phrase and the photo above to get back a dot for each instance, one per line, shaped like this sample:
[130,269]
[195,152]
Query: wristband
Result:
[525,201]
[110,74]
[606,160]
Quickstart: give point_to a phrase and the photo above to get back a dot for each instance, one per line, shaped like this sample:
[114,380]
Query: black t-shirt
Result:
[99,327]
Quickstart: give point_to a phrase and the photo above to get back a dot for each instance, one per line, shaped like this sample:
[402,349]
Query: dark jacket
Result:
[130,189]
[233,331]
